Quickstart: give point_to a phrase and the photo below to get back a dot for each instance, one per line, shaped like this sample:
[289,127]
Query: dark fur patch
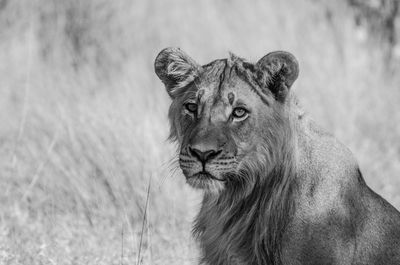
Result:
[200,94]
[231,98]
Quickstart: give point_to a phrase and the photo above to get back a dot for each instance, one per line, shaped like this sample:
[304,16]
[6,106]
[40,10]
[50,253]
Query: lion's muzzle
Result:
[203,155]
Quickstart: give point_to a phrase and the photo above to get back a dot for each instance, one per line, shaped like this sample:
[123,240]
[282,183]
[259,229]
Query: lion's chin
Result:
[205,181]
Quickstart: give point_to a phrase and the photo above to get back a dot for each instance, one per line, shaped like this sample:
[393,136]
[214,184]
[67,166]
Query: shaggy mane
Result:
[251,218]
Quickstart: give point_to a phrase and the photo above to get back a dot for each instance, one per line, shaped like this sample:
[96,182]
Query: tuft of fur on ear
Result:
[278,71]
[175,69]
[232,58]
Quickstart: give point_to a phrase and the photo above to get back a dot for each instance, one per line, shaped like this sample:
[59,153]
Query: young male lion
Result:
[277,188]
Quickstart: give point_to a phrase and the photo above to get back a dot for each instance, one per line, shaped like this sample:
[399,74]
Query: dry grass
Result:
[84,122]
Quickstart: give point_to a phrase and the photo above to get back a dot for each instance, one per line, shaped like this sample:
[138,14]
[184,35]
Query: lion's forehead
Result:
[220,84]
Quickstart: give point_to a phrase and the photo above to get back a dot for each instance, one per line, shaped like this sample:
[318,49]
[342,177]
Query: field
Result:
[86,172]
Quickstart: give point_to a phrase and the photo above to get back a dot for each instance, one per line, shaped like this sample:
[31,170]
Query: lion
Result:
[278,189]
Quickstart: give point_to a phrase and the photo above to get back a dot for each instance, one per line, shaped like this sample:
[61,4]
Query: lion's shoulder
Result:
[320,150]
[335,208]
[327,169]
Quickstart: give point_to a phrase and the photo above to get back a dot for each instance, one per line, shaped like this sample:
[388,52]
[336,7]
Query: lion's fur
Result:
[298,197]
[233,219]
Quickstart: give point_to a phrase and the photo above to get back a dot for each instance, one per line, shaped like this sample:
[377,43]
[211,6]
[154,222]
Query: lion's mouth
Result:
[204,175]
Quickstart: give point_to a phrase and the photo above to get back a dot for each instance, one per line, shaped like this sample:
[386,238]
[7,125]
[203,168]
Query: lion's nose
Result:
[204,156]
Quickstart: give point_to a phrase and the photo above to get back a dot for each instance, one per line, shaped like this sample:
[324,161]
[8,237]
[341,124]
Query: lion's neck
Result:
[250,228]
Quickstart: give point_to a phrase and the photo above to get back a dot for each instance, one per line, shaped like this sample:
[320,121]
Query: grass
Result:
[84,118]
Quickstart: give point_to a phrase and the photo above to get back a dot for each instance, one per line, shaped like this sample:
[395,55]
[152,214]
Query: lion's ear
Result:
[279,71]
[175,69]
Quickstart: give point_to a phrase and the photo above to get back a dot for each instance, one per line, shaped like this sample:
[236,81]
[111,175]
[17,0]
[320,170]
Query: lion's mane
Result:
[254,210]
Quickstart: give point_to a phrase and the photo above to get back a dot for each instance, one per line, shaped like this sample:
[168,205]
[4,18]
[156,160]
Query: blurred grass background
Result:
[84,118]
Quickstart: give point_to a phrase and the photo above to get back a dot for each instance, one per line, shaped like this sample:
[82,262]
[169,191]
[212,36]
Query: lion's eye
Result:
[239,112]
[191,107]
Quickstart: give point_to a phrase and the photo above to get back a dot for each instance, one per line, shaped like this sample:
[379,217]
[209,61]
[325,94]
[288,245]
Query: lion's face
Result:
[217,127]
[222,118]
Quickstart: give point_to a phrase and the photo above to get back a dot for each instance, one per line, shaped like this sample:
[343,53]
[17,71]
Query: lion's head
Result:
[229,116]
